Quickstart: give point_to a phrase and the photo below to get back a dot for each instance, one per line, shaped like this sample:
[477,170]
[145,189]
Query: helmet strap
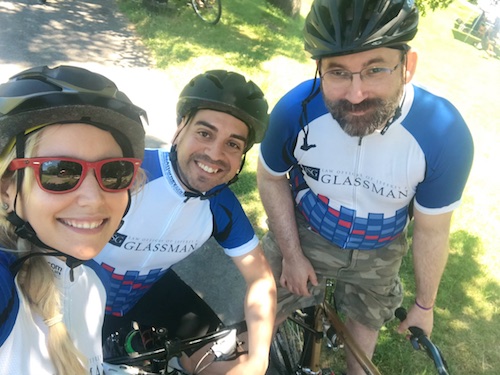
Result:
[26,231]
[23,228]
[393,119]
[236,176]
[20,144]
[303,119]
[399,109]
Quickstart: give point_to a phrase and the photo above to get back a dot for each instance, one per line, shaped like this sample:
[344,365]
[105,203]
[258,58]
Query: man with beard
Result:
[349,159]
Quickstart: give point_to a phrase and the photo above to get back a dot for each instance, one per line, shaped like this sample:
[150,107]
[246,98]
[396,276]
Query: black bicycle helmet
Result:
[43,96]
[228,92]
[341,27]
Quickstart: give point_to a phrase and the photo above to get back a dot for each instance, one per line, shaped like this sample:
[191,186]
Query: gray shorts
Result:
[367,284]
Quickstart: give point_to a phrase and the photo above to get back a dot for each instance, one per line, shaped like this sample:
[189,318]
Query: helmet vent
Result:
[216,81]
[342,27]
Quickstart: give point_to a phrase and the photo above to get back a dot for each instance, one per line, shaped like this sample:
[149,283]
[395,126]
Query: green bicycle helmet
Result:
[342,27]
[228,92]
[43,96]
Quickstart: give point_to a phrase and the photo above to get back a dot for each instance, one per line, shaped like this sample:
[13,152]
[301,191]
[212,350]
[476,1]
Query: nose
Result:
[89,192]
[215,151]
[355,92]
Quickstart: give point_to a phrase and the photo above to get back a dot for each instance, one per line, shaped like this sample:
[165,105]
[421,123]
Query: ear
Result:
[411,65]
[8,191]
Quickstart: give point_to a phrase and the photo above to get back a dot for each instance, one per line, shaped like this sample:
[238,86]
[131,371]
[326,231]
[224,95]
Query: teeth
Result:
[207,169]
[83,225]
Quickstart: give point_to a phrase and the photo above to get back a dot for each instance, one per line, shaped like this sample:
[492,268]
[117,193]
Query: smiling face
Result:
[361,107]
[81,222]
[209,148]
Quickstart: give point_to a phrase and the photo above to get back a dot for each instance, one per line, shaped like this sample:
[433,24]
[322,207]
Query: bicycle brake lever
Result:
[414,342]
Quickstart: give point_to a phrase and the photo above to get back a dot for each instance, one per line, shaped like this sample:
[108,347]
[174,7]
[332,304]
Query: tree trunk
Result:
[289,7]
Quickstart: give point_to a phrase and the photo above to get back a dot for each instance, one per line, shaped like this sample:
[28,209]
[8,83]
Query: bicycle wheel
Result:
[286,349]
[209,11]
[292,347]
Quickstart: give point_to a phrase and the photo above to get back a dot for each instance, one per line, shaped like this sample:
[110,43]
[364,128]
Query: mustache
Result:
[346,106]
[207,159]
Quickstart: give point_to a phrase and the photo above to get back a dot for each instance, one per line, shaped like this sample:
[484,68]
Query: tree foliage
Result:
[430,5]
[292,7]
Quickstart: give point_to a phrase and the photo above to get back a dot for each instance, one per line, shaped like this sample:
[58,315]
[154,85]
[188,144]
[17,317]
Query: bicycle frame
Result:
[171,348]
[347,339]
[313,332]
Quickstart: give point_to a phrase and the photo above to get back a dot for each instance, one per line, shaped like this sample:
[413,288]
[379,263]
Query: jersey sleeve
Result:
[9,300]
[276,150]
[151,163]
[449,161]
[232,228]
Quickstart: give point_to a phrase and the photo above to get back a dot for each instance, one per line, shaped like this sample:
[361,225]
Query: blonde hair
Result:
[35,277]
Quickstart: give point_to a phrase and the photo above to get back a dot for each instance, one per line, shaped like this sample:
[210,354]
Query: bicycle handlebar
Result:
[420,340]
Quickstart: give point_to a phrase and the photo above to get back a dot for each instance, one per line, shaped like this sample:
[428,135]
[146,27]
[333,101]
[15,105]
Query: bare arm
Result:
[430,254]
[260,310]
[280,209]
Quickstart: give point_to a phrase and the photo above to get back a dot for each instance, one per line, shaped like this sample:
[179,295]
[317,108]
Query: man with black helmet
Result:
[220,115]
[359,147]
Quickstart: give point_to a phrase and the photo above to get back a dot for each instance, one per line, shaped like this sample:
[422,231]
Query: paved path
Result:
[91,34]
[94,35]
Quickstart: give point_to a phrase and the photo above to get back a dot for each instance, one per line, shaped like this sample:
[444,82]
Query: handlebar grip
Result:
[400,313]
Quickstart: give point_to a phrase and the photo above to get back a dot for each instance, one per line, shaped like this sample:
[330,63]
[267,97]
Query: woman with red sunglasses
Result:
[71,145]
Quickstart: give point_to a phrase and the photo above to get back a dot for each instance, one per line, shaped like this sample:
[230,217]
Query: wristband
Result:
[422,307]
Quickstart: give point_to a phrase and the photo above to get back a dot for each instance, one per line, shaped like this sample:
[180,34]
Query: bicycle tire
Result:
[209,11]
[286,349]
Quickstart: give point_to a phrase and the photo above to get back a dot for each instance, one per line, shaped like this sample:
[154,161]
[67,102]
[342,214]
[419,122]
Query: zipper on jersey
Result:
[354,189]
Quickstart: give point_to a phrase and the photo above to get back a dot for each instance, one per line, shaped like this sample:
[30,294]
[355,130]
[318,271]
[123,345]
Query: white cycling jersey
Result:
[356,191]
[23,334]
[163,227]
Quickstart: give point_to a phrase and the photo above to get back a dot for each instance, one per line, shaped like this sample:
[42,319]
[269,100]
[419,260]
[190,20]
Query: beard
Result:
[379,111]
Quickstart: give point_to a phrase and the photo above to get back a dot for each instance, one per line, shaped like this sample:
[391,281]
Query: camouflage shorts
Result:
[367,284]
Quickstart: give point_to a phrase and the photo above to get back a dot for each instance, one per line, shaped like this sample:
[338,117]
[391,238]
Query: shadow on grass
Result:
[250,32]
[464,318]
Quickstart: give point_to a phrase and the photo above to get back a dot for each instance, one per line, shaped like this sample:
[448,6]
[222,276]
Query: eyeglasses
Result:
[63,175]
[342,78]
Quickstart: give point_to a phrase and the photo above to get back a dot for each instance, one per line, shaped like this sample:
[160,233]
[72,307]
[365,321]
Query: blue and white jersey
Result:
[356,191]
[23,334]
[162,227]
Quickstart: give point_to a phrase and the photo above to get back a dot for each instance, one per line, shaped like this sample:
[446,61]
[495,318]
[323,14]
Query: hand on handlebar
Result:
[417,317]
[296,275]
[420,340]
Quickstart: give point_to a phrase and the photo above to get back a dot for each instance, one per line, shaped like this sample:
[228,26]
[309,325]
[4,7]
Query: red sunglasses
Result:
[63,175]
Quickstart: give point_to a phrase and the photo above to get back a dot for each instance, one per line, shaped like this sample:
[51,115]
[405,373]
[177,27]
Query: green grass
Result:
[257,40]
